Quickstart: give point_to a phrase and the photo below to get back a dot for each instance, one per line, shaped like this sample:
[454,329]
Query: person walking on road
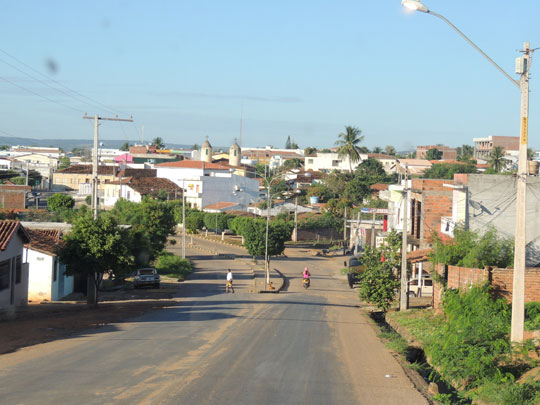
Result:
[229,282]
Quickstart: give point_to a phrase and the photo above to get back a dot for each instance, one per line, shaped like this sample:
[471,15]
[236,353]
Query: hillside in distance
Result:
[69,144]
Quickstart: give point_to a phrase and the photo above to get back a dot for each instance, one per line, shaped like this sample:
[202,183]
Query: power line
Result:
[42,96]
[93,102]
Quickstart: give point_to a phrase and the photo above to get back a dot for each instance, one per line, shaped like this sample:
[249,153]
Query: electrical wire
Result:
[91,102]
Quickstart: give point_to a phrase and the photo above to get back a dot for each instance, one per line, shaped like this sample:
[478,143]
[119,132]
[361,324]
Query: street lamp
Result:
[522,68]
[269,182]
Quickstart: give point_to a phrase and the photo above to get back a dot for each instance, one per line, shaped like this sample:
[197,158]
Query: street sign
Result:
[374,210]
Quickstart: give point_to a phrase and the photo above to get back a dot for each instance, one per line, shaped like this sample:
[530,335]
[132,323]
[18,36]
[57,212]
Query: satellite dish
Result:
[475,205]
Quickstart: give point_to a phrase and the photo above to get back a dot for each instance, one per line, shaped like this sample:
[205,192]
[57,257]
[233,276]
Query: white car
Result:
[146,277]
[426,288]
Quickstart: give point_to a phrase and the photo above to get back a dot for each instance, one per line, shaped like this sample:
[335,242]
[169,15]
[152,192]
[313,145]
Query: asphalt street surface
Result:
[295,347]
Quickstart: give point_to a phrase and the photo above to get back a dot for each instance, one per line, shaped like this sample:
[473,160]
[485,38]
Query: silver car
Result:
[146,277]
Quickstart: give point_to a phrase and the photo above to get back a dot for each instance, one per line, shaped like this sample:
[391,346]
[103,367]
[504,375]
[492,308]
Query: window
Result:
[335,163]
[55,271]
[4,274]
[18,269]
[310,161]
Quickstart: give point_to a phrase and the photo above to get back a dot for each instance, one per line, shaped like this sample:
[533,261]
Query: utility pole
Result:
[373,231]
[357,235]
[296,219]
[518,289]
[96,119]
[91,287]
[27,170]
[183,221]
[403,297]
[345,231]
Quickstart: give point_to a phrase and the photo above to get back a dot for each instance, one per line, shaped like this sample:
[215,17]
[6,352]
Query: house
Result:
[135,188]
[208,183]
[413,166]
[221,207]
[447,152]
[13,268]
[47,280]
[484,146]
[328,162]
[481,201]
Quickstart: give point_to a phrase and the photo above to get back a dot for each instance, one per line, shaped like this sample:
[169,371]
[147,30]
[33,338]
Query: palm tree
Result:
[348,144]
[158,143]
[497,158]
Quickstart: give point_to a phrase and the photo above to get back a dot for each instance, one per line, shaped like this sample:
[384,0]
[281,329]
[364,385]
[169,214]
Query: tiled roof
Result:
[8,229]
[131,172]
[46,241]
[449,161]
[419,255]
[153,185]
[380,156]
[220,205]
[379,187]
[87,169]
[192,164]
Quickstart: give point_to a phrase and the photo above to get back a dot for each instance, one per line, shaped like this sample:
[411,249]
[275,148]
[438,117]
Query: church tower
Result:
[206,151]
[235,154]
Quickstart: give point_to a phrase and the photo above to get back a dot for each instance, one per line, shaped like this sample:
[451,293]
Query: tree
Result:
[95,247]
[377,149]
[4,147]
[60,201]
[367,173]
[390,150]
[497,158]
[288,143]
[195,147]
[337,181]
[125,147]
[379,280]
[294,163]
[348,144]
[465,152]
[530,153]
[158,143]
[434,154]
[255,237]
[309,150]
[65,162]
[447,170]
[154,218]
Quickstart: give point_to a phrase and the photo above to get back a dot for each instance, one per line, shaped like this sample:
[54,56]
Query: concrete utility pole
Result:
[183,220]
[295,219]
[403,297]
[96,119]
[518,289]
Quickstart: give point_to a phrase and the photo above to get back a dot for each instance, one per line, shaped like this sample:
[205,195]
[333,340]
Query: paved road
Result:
[296,347]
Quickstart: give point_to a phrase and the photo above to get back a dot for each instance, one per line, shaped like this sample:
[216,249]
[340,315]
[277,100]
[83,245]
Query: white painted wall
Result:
[327,162]
[41,283]
[15,248]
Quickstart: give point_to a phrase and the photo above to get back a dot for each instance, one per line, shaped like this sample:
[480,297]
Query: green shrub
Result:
[510,393]
[532,316]
[470,345]
[173,266]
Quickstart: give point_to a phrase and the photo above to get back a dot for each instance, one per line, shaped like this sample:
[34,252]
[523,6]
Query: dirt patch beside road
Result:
[40,323]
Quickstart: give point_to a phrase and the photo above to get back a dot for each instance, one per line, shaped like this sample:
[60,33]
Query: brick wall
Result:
[463,278]
[13,196]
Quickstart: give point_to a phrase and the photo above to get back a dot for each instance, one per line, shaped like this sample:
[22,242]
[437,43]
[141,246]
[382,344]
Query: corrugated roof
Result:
[8,229]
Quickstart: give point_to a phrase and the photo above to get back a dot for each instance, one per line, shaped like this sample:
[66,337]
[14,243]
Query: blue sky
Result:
[304,69]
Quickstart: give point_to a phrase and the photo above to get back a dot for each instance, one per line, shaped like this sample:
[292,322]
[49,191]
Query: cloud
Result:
[279,99]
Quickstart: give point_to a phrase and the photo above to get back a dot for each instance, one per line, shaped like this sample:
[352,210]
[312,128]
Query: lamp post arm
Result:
[500,69]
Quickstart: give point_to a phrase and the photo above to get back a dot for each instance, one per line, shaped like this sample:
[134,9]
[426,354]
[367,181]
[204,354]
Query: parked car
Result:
[355,269]
[425,290]
[146,277]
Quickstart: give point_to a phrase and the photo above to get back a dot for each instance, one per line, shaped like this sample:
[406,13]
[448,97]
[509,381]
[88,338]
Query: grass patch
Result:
[173,266]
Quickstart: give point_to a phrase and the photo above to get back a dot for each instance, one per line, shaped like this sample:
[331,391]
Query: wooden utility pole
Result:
[404,298]
[95,162]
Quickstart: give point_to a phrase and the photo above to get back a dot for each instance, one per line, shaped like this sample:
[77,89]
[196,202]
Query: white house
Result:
[209,183]
[327,162]
[47,280]
[13,271]
[135,188]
